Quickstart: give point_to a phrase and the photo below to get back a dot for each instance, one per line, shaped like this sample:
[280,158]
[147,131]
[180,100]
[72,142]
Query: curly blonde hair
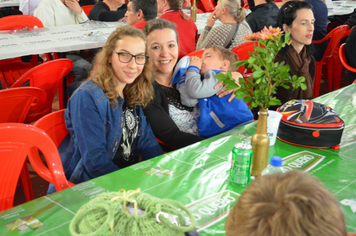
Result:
[141,90]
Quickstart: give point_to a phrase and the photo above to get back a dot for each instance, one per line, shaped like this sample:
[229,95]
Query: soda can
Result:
[241,163]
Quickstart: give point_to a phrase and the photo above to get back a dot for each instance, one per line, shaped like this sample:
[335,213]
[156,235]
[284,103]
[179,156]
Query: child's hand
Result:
[195,61]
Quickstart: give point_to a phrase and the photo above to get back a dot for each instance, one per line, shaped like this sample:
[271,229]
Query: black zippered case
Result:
[310,124]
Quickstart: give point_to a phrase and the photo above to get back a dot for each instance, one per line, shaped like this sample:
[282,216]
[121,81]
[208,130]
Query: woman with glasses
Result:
[107,126]
[297,18]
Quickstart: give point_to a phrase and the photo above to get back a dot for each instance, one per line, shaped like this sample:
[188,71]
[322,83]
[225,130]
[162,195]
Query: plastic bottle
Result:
[274,166]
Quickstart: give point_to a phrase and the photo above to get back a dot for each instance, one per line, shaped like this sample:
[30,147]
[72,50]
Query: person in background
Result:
[108,10]
[352,19]
[263,13]
[60,12]
[162,48]
[350,53]
[320,12]
[66,12]
[292,203]
[233,30]
[187,30]
[87,2]
[140,12]
[107,127]
[297,18]
[27,7]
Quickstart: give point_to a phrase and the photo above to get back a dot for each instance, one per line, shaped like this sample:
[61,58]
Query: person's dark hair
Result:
[176,5]
[287,14]
[158,24]
[148,7]
[269,1]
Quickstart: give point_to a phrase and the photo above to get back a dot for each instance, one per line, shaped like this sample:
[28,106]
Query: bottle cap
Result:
[276,161]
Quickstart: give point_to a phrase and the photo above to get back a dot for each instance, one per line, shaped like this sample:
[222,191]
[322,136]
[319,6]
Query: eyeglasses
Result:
[126,57]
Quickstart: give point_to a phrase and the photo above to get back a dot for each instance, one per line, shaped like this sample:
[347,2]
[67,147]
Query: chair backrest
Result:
[11,22]
[87,9]
[197,53]
[334,37]
[243,53]
[343,58]
[16,142]
[208,5]
[47,76]
[16,102]
[54,126]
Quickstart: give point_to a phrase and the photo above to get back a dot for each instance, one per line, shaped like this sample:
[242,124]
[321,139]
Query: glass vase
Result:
[260,144]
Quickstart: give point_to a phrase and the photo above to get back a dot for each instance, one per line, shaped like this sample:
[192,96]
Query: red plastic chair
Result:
[14,106]
[197,53]
[12,69]
[87,9]
[15,21]
[54,126]
[243,53]
[343,58]
[209,5]
[16,142]
[338,66]
[334,39]
[47,76]
[16,102]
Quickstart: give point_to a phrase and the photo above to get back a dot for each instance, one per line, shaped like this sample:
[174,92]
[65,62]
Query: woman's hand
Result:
[188,3]
[195,61]
[211,19]
[223,92]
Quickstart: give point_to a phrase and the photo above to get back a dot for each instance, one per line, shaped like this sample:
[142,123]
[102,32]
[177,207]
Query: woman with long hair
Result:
[107,126]
[171,121]
[297,18]
[233,30]
[172,11]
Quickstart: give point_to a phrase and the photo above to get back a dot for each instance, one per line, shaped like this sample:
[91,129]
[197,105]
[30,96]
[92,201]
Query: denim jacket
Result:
[95,129]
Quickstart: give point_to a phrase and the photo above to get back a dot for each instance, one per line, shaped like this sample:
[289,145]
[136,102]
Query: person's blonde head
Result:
[226,55]
[292,203]
[234,9]
[141,90]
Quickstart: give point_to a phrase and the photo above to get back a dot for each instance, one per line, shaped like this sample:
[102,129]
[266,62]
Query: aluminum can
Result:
[241,163]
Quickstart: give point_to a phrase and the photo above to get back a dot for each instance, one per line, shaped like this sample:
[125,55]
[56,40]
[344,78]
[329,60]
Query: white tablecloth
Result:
[54,39]
[63,38]
[9,3]
[341,8]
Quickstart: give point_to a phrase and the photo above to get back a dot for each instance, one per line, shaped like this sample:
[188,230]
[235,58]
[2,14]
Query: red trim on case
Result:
[333,147]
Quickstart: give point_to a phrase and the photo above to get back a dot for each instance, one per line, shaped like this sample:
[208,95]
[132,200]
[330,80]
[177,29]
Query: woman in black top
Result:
[108,10]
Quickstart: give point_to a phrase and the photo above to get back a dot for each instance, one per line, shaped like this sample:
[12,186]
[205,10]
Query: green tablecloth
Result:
[197,176]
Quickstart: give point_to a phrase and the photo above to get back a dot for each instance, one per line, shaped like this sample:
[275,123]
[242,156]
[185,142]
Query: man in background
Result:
[140,12]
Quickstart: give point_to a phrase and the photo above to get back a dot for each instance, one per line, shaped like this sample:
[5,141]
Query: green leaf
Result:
[258,74]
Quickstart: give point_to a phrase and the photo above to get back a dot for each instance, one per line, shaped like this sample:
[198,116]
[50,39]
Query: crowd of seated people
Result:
[132,82]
